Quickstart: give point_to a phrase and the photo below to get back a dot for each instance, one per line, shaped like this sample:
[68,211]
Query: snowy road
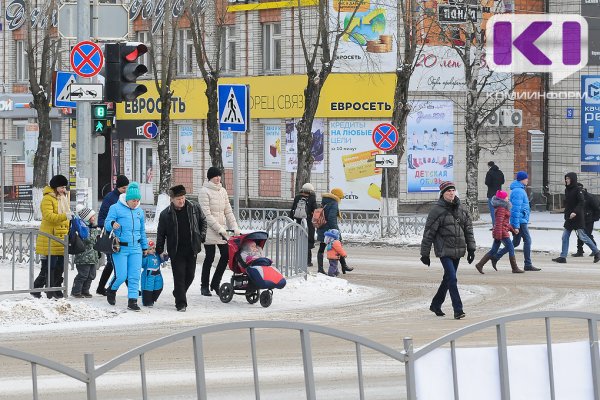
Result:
[396,307]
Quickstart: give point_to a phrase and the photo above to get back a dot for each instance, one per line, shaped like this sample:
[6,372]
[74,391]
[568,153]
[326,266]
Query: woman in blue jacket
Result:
[126,219]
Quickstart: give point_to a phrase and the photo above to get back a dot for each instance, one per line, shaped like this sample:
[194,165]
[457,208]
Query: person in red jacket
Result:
[500,233]
[335,251]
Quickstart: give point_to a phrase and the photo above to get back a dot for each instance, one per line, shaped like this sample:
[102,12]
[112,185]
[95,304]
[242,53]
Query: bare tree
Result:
[319,54]
[208,28]
[42,50]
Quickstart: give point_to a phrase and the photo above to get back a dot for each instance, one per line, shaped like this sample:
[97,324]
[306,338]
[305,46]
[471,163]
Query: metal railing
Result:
[287,246]
[18,248]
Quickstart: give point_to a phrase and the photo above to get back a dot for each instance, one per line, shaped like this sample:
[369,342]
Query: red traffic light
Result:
[132,51]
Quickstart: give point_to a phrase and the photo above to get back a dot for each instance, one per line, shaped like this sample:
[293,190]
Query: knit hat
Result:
[176,191]
[337,192]
[58,181]
[84,212]
[501,194]
[308,188]
[133,192]
[522,175]
[150,243]
[122,181]
[212,172]
[445,186]
[333,233]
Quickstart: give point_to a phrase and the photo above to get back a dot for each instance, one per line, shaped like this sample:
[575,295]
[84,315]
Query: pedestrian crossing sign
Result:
[233,108]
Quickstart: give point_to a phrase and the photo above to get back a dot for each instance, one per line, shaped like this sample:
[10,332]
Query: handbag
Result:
[76,245]
[107,243]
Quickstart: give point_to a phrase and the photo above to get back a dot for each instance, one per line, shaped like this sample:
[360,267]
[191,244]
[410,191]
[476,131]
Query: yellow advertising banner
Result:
[271,5]
[343,96]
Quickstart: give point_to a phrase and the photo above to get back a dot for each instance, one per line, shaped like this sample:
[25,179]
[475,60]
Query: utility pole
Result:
[84,120]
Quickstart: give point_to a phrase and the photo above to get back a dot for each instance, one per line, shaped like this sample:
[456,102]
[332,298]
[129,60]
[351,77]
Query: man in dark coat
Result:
[307,199]
[110,199]
[494,179]
[450,230]
[183,226]
[574,218]
[592,214]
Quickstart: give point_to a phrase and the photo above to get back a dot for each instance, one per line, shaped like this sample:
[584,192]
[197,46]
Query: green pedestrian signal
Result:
[100,126]
[99,111]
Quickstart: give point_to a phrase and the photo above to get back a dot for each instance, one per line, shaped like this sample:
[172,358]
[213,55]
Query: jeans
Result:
[589,230]
[449,284]
[582,236]
[496,246]
[106,272]
[86,273]
[523,234]
[209,257]
[491,211]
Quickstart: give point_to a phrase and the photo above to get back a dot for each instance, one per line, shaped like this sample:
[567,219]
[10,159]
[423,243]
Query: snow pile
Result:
[44,311]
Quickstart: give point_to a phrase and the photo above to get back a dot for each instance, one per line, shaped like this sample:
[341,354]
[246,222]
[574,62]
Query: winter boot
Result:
[513,265]
[579,253]
[111,296]
[494,262]
[309,261]
[482,262]
[204,291]
[560,260]
[320,265]
[132,305]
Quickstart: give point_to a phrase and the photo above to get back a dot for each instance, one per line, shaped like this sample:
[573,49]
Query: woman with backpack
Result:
[326,218]
[303,207]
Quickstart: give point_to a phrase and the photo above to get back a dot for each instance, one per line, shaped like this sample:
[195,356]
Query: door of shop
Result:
[145,170]
[55,153]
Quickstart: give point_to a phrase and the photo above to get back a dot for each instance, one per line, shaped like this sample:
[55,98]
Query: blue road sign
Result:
[385,137]
[62,89]
[233,108]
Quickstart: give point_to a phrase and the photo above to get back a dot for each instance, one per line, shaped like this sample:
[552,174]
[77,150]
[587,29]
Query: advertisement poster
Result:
[370,42]
[291,145]
[227,148]
[73,156]
[186,145]
[352,164]
[591,12]
[30,138]
[429,145]
[272,146]
[590,118]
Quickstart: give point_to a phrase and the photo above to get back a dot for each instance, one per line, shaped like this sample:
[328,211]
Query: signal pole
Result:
[84,121]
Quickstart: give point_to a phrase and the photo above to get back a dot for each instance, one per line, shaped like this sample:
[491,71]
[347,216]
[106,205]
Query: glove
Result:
[470,256]
[164,257]
[223,234]
[425,260]
[236,232]
[69,215]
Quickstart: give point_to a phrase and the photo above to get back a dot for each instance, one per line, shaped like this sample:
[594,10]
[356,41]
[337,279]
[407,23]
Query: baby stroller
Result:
[249,279]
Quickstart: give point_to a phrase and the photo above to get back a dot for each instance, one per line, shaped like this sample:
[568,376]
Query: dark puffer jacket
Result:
[449,229]
[330,204]
[574,203]
[494,179]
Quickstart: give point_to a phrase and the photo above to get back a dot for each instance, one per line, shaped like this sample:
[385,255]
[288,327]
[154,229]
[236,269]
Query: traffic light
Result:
[122,71]
[99,118]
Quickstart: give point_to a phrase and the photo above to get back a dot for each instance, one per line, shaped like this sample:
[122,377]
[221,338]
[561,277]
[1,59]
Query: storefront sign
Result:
[134,129]
[15,16]
[291,146]
[245,5]
[590,118]
[590,9]
[430,145]
[272,146]
[186,145]
[155,10]
[352,164]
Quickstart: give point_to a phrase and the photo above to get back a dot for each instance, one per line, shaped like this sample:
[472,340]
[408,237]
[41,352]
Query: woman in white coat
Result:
[215,205]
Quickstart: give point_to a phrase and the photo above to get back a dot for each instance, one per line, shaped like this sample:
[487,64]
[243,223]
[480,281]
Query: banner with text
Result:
[429,145]
[186,145]
[227,148]
[352,164]
[291,146]
[272,146]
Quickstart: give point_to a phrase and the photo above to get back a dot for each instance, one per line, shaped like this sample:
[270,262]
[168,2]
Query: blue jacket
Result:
[519,214]
[151,262]
[110,199]
[133,226]
[331,216]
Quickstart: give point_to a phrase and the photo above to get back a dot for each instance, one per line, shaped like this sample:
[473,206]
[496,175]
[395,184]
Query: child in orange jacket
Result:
[334,251]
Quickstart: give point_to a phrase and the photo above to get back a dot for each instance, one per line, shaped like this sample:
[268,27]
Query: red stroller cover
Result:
[266,277]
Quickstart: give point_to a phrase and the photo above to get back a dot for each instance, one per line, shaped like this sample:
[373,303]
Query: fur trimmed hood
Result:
[496,202]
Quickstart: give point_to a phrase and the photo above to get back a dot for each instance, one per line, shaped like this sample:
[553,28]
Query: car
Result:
[80,93]
[91,93]
[77,93]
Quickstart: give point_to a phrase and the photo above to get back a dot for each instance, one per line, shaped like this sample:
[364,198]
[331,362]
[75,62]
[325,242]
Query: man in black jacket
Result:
[494,179]
[450,230]
[183,225]
[592,214]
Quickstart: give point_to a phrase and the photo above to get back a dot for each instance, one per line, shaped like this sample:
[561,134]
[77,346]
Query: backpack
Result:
[77,232]
[318,219]
[300,211]
[592,204]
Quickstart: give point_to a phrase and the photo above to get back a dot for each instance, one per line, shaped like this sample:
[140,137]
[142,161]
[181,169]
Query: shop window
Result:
[271,47]
[229,50]
[144,37]
[185,52]
[22,61]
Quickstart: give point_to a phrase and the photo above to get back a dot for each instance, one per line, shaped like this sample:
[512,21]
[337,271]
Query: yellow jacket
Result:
[53,223]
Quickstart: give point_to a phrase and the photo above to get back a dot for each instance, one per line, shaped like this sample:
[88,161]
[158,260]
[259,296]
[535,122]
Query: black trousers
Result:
[589,229]
[184,270]
[209,257]
[57,267]
[106,272]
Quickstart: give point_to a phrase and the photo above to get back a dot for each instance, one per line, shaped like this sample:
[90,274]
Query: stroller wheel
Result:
[252,297]
[226,292]
[266,298]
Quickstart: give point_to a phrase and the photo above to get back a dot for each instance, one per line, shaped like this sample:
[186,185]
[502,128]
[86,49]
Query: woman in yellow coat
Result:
[56,215]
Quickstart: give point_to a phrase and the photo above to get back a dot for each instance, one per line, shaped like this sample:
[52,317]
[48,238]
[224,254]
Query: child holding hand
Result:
[335,251]
[152,280]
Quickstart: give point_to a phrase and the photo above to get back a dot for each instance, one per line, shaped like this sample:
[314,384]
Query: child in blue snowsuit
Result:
[152,280]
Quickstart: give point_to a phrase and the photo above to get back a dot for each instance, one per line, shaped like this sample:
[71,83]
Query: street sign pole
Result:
[236,176]
[84,128]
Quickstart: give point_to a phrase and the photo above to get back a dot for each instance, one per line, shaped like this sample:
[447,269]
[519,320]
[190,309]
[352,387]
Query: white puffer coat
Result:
[219,216]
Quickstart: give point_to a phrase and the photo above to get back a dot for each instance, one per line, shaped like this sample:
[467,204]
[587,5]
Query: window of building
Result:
[272,47]
[185,52]
[144,37]
[229,50]
[20,135]
[22,64]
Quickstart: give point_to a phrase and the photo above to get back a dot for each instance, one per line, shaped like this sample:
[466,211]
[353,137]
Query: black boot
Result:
[132,305]
[215,287]
[204,291]
[320,263]
[345,267]
[111,296]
